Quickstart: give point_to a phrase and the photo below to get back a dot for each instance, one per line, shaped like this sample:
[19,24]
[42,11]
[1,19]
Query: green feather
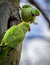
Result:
[12,38]
[3,54]
[15,35]
[28,13]
[26,6]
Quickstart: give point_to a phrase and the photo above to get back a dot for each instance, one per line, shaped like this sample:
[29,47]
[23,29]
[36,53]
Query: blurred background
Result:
[36,45]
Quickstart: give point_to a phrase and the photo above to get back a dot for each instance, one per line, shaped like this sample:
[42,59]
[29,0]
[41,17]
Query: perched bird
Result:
[13,37]
[28,13]
[15,34]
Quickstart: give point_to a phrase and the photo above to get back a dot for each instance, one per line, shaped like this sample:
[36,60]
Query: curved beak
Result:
[36,15]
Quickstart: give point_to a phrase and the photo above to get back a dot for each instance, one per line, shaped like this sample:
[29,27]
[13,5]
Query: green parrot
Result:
[15,34]
[13,37]
[29,14]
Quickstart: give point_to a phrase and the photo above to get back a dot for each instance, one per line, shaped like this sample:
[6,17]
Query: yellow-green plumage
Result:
[28,13]
[15,35]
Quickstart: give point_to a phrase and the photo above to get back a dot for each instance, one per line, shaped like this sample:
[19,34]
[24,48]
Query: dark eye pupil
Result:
[32,15]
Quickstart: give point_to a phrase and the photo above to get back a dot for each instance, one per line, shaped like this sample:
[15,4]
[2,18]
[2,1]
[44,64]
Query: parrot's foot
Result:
[35,23]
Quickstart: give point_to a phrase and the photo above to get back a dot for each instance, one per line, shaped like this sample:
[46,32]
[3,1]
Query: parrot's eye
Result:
[32,15]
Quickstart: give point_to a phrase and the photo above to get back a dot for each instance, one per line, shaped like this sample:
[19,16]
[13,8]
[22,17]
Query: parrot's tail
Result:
[3,54]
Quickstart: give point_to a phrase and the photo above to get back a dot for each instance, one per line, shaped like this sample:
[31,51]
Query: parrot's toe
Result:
[29,29]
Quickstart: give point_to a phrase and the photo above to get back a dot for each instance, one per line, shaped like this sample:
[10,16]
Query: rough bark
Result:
[9,8]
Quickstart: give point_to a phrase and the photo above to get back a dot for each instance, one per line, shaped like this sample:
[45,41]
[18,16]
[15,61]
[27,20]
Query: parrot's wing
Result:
[3,53]
[13,36]
[17,37]
[7,34]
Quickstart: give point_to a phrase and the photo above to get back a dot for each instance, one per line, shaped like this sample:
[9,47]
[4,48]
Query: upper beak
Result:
[36,15]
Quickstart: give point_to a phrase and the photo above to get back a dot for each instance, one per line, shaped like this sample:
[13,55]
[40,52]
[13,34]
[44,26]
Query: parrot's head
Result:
[26,6]
[35,12]
[25,26]
[29,14]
